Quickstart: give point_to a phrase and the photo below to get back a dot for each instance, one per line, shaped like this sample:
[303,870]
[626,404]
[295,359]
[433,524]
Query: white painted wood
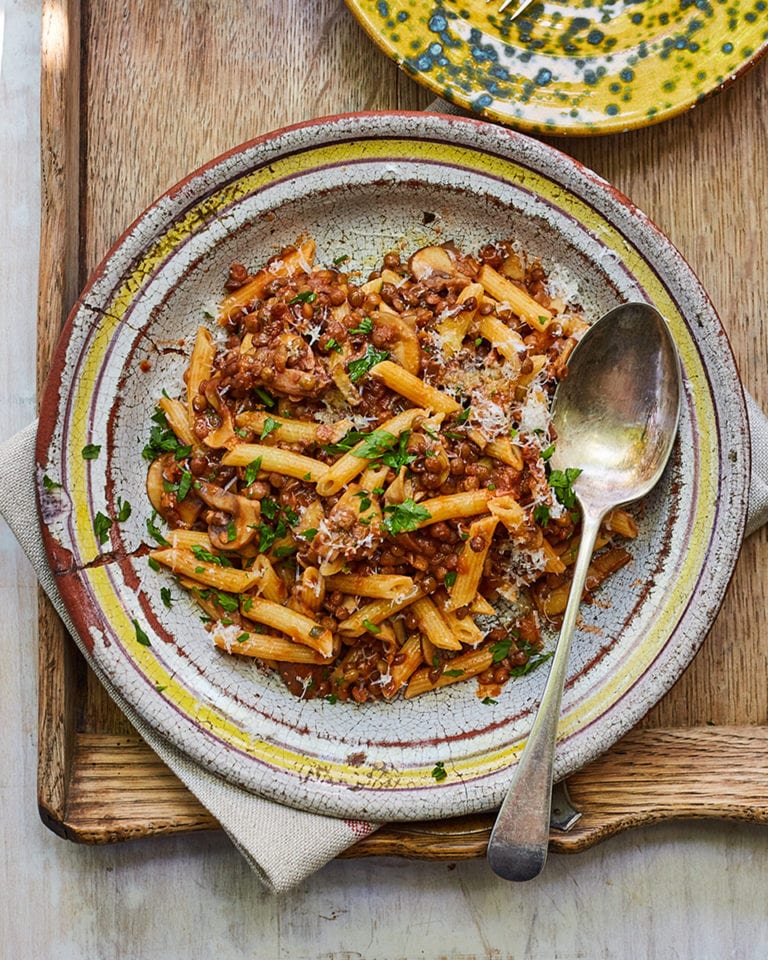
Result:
[673,891]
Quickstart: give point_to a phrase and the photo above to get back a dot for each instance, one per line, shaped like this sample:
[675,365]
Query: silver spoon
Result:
[616,416]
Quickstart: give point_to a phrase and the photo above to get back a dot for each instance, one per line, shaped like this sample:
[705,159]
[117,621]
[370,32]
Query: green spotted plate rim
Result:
[576,68]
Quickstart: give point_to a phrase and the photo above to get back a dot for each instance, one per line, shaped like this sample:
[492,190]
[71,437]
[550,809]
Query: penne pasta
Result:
[276,460]
[433,626]
[266,646]
[521,303]
[471,562]
[380,585]
[413,388]
[302,628]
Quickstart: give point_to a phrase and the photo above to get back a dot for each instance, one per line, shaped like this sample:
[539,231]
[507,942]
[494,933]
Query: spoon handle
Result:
[517,848]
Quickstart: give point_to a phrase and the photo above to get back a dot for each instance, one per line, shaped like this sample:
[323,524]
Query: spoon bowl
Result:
[615,416]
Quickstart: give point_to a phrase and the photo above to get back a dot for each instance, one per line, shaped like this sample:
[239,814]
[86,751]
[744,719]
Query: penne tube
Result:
[521,303]
[311,589]
[472,561]
[506,451]
[480,607]
[553,563]
[508,342]
[275,460]
[508,510]
[178,420]
[413,388]
[288,431]
[269,585]
[377,611]
[408,659]
[452,330]
[353,463]
[619,521]
[200,367]
[287,264]
[453,506]
[459,668]
[377,585]
[538,362]
[185,563]
[295,624]
[433,626]
[265,646]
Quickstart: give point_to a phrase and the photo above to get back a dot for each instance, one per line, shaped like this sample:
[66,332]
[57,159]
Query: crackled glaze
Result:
[360,185]
[575,67]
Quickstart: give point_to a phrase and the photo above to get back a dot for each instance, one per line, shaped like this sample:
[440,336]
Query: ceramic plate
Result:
[575,67]
[360,184]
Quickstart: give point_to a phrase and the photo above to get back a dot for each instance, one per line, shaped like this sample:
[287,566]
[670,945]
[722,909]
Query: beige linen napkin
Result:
[282,845]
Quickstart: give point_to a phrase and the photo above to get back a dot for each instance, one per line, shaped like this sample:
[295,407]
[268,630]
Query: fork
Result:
[522,5]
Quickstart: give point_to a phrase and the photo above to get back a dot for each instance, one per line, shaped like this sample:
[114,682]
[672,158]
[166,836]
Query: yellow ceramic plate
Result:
[576,67]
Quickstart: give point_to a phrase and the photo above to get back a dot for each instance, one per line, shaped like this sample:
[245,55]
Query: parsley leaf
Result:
[205,556]
[165,596]
[405,516]
[561,482]
[252,471]
[50,484]
[270,425]
[91,451]
[123,510]
[374,444]
[154,532]
[531,664]
[365,327]
[306,296]
[358,368]
[450,578]
[141,637]
[101,525]
[438,771]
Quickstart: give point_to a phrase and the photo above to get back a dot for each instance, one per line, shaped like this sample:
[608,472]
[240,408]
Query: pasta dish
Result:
[355,479]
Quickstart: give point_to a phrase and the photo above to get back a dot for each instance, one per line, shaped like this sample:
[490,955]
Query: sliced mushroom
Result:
[393,332]
[234,524]
[428,261]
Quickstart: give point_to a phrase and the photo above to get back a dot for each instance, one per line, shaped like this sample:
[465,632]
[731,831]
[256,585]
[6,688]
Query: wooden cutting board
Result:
[135,95]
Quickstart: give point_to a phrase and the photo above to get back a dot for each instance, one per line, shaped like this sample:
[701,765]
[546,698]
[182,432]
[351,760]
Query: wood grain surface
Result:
[116,132]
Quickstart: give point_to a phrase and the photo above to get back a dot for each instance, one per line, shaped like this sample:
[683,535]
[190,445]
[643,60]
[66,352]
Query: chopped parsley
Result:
[546,454]
[541,514]
[342,258]
[450,578]
[453,673]
[153,564]
[141,637]
[91,451]
[365,327]
[309,534]
[358,368]
[266,399]
[101,525]
[252,471]
[561,482]
[154,532]
[270,425]
[531,664]
[438,771]
[306,296]
[500,649]
[50,484]
[488,701]
[405,516]
[162,439]
[347,442]
[123,510]
[371,627]
[332,344]
[165,596]
[385,446]
[205,556]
